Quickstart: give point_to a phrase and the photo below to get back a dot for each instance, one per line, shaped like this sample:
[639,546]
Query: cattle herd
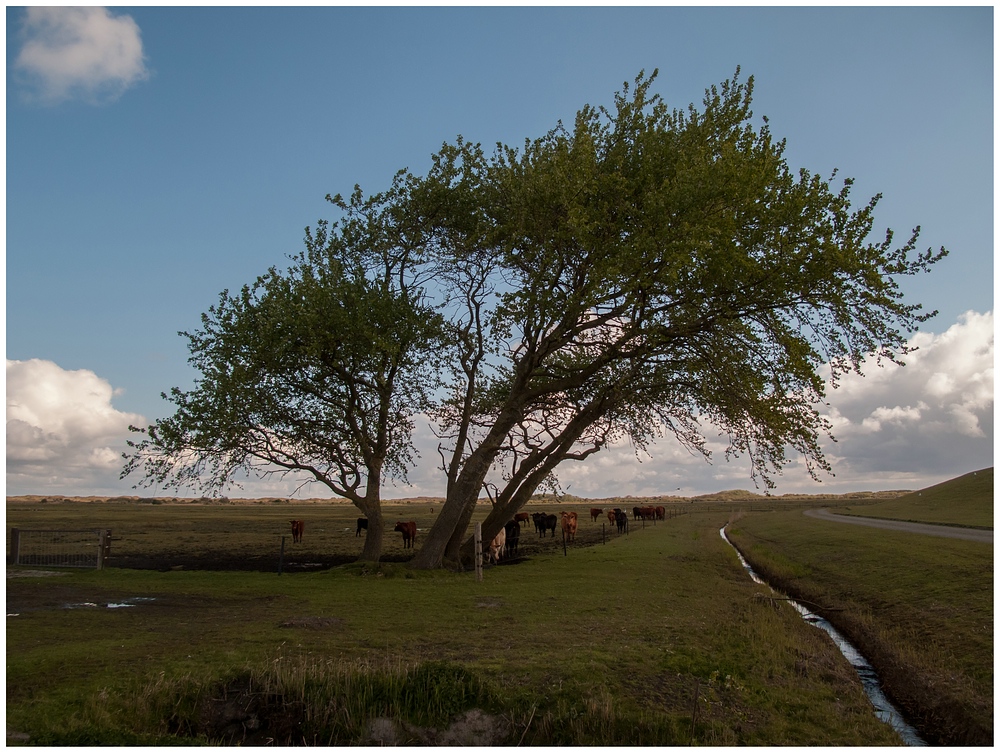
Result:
[505,543]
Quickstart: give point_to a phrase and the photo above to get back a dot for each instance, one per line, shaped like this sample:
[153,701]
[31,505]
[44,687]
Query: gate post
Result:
[103,548]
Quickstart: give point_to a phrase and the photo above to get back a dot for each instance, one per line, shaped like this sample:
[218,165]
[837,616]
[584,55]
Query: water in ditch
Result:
[869,679]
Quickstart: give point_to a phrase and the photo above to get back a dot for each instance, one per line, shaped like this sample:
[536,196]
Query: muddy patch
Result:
[238,715]
[472,728]
[313,623]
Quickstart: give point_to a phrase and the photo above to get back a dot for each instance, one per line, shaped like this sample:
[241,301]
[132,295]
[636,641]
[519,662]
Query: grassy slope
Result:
[606,646]
[964,501]
[919,607]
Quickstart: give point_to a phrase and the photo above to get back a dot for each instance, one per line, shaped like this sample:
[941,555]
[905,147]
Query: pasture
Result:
[965,501]
[919,607]
[652,638]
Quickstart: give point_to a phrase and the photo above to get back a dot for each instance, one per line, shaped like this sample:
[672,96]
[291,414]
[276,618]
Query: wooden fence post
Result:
[103,548]
[478,539]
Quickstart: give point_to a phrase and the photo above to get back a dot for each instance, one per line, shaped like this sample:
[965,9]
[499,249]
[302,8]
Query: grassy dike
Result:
[655,638]
[920,608]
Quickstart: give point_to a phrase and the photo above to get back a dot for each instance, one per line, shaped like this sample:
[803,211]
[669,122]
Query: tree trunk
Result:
[460,505]
[371,506]
[453,553]
[375,534]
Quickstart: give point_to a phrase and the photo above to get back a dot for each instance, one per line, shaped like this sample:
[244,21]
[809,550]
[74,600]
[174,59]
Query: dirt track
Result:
[950,532]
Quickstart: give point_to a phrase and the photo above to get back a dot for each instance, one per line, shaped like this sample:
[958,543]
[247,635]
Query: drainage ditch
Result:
[869,678]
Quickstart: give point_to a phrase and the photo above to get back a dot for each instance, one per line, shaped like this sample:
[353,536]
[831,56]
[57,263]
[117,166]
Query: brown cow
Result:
[409,531]
[649,513]
[569,525]
[661,513]
[611,515]
[595,513]
[297,527]
[522,517]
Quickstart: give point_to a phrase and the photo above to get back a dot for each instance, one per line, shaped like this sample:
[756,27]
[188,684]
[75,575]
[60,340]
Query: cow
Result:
[611,515]
[661,513]
[522,517]
[568,526]
[649,513]
[496,546]
[637,513]
[545,523]
[409,531]
[297,527]
[362,526]
[621,520]
[595,513]
[513,529]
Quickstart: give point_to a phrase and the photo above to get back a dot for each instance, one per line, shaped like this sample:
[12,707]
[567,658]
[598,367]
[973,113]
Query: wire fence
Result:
[60,548]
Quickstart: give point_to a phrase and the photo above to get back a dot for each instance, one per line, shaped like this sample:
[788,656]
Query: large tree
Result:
[649,271]
[659,270]
[318,369]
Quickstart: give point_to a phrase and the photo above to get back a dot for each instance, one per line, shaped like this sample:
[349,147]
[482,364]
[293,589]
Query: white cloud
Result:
[79,53]
[63,433]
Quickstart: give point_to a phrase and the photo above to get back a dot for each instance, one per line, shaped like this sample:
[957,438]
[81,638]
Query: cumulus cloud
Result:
[78,53]
[932,416]
[63,433]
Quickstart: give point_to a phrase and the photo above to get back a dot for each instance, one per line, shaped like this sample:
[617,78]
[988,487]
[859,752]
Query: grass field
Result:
[965,501]
[654,638]
[920,608]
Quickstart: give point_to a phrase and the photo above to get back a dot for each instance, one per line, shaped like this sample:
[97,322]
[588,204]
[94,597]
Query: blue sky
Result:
[176,152]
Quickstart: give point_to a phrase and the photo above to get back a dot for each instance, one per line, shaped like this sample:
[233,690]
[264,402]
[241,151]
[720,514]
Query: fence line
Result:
[60,547]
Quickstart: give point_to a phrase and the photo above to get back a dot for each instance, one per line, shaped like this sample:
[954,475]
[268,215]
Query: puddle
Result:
[884,710]
[124,604]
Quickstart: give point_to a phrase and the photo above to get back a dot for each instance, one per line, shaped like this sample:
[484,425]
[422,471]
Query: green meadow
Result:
[657,637]
[919,607]
[966,501]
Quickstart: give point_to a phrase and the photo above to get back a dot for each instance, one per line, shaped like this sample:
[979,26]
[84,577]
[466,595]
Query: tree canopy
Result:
[318,369]
[649,271]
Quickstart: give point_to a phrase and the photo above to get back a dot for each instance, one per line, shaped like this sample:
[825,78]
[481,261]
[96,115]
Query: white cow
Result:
[497,546]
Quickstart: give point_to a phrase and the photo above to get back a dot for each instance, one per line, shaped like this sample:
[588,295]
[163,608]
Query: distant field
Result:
[247,534]
[652,638]
[965,501]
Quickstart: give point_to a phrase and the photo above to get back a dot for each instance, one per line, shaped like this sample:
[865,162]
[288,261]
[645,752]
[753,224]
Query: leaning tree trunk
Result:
[461,502]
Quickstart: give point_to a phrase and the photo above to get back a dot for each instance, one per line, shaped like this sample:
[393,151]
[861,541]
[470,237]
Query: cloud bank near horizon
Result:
[896,428]
[81,53]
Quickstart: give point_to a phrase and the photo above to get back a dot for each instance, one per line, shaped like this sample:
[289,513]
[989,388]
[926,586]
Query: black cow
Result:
[513,529]
[637,513]
[362,526]
[545,523]
[621,520]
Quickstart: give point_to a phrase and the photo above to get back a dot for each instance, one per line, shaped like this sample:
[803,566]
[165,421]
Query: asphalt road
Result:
[950,532]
